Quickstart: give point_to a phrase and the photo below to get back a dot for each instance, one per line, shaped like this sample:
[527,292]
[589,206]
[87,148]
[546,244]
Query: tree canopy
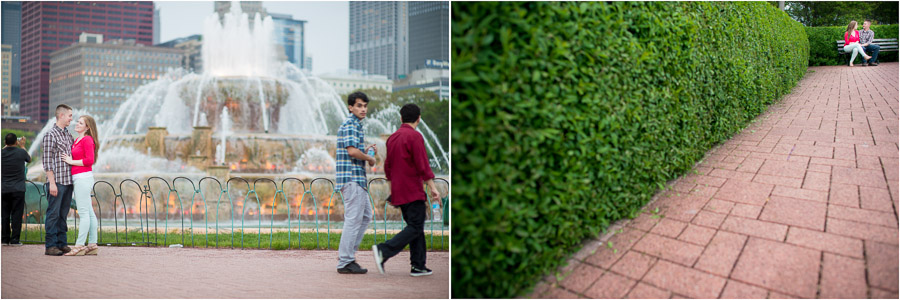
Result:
[840,13]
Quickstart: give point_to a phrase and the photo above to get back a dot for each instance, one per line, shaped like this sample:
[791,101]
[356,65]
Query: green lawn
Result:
[279,240]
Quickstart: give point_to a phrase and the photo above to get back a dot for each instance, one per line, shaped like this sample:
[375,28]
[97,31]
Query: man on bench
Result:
[866,37]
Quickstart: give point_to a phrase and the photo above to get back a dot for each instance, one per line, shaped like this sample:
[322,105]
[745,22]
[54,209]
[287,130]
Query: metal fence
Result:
[148,206]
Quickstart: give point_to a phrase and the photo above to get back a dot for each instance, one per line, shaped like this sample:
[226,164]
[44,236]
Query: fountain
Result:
[224,131]
[268,117]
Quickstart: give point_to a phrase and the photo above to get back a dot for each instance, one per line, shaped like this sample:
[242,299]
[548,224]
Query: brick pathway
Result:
[801,204]
[142,272]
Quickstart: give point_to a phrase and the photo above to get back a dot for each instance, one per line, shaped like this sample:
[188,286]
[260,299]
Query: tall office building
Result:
[12,35]
[99,76]
[379,37]
[429,33]
[192,47]
[49,26]
[5,71]
[289,35]
[156,26]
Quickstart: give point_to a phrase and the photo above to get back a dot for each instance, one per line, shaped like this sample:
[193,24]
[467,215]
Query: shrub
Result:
[20,133]
[823,49]
[568,116]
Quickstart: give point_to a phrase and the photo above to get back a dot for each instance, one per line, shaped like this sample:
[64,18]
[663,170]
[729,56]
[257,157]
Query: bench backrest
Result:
[886,45]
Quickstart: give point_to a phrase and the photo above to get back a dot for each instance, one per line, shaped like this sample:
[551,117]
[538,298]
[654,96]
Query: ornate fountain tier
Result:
[244,152]
[251,101]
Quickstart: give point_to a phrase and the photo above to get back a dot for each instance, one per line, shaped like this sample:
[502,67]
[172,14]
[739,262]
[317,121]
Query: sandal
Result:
[76,251]
[92,249]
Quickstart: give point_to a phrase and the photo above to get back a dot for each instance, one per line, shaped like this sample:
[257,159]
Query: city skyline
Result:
[327,27]
[327,50]
[50,26]
[99,75]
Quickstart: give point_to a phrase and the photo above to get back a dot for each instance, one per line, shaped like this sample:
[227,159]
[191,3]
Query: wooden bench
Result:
[887,45]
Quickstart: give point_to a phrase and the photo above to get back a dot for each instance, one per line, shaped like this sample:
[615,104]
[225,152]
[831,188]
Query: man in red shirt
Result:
[406,168]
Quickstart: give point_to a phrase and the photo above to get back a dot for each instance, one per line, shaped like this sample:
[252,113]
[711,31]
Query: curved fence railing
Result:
[159,209]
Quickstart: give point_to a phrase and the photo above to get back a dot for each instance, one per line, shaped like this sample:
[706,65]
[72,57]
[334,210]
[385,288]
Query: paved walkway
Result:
[142,272]
[801,204]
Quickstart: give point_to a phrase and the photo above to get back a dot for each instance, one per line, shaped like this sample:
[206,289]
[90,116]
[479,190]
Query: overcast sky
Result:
[327,26]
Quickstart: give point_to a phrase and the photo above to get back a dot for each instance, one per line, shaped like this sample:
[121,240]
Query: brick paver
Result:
[746,210]
[827,242]
[738,290]
[777,266]
[634,265]
[684,280]
[157,272]
[802,203]
[719,257]
[697,235]
[843,277]
[882,265]
[646,291]
[673,250]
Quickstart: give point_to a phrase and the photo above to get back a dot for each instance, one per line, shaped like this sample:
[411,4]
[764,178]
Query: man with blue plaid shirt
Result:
[351,182]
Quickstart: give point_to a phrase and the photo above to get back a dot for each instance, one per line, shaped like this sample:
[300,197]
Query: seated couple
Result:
[856,42]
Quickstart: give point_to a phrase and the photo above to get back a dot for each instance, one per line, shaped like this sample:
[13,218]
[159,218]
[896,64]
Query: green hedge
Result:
[823,49]
[569,116]
[19,133]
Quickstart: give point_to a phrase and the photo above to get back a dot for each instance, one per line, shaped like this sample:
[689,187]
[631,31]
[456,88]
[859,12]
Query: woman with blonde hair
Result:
[851,43]
[84,153]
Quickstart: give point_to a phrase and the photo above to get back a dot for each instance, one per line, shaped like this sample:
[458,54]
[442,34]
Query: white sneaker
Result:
[378,259]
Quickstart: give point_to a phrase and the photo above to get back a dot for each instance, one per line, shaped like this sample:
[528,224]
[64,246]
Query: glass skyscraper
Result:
[379,37]
[289,34]
[12,35]
[429,33]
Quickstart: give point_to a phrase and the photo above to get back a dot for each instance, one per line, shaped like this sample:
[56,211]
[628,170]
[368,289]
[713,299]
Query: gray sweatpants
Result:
[357,215]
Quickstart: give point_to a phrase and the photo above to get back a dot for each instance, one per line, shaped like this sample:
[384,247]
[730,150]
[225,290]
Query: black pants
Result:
[413,235]
[13,207]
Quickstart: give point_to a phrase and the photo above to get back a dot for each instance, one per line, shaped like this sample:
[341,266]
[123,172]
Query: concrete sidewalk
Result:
[801,204]
[157,272]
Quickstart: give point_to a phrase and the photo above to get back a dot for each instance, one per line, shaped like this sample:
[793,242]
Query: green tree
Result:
[27,134]
[840,13]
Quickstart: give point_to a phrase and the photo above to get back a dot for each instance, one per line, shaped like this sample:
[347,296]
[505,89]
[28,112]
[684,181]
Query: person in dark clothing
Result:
[406,168]
[14,159]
